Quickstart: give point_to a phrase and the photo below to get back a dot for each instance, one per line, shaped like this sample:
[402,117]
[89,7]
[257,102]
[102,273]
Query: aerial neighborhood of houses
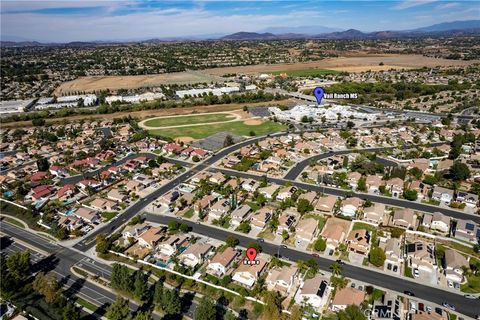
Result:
[390,200]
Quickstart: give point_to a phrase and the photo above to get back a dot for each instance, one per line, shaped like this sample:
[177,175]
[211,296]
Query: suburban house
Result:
[134,231]
[285,222]
[325,205]
[440,222]
[421,255]
[240,214]
[469,199]
[42,192]
[203,204]
[168,247]
[352,179]
[66,192]
[150,238]
[373,184]
[88,215]
[359,241]
[194,254]
[260,218]
[393,253]
[70,223]
[101,204]
[395,186]
[117,195]
[269,191]
[404,218]
[305,229]
[388,307]
[247,275]
[309,196]
[453,263]
[314,292]
[222,261]
[345,297]
[350,206]
[219,209]
[286,192]
[217,178]
[281,279]
[250,185]
[374,214]
[333,234]
[467,230]
[442,194]
[168,198]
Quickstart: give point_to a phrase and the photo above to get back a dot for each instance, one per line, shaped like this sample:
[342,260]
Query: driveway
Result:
[429,277]
[356,258]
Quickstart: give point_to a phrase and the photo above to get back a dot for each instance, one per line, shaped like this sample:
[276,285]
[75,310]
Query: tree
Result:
[338,282]
[304,206]
[228,141]
[118,310]
[377,256]
[336,268]
[42,164]
[171,303]
[244,227]
[101,244]
[140,287]
[416,172]
[173,226]
[410,194]
[231,241]
[352,312]
[18,265]
[296,313]
[362,184]
[145,315]
[183,228]
[46,285]
[38,122]
[158,293]
[273,307]
[206,309]
[320,245]
[70,312]
[459,171]
[397,232]
[285,235]
[195,158]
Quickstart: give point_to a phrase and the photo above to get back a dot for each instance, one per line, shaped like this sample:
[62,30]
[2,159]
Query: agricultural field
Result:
[237,127]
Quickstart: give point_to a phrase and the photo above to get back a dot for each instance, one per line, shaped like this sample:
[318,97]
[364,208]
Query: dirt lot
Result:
[154,113]
[90,84]
[349,64]
[352,63]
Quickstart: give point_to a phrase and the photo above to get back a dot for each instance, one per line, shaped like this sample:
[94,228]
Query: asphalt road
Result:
[463,305]
[365,196]
[61,260]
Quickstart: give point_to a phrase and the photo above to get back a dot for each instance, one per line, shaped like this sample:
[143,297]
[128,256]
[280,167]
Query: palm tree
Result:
[336,268]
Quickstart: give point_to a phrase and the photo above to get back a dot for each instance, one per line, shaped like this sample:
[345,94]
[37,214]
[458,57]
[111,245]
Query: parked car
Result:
[340,262]
[470,296]
[449,306]
[409,293]
[416,274]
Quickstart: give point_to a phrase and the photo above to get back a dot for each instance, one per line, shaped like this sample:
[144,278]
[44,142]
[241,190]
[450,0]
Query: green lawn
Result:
[307,72]
[194,119]
[359,225]
[189,213]
[108,215]
[238,128]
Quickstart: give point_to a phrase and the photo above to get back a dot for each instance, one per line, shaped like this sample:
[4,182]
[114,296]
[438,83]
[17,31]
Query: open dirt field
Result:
[253,122]
[351,63]
[154,113]
[90,84]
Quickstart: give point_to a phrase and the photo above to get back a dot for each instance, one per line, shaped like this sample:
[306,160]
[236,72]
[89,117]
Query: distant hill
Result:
[304,30]
[347,34]
[454,25]
[250,36]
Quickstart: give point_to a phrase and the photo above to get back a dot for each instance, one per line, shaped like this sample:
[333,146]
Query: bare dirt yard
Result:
[357,62]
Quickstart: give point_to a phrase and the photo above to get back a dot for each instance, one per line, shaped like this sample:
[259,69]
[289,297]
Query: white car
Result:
[416,274]
[450,284]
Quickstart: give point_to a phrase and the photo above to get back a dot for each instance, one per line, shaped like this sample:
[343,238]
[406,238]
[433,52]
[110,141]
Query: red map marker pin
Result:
[251,254]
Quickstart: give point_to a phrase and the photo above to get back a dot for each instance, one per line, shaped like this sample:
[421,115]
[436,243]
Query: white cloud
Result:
[448,5]
[405,4]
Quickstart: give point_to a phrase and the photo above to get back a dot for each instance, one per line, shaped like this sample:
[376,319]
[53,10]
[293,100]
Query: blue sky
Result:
[74,20]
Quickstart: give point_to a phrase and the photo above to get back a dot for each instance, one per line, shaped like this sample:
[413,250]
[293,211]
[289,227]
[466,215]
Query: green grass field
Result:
[194,119]
[238,128]
[308,72]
